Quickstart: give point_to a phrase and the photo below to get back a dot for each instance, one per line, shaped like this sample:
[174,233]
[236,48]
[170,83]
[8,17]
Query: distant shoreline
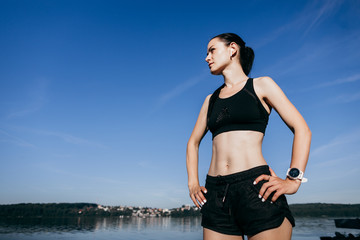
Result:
[45,210]
[325,210]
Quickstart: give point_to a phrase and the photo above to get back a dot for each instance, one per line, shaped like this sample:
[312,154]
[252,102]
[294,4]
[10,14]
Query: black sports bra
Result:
[241,111]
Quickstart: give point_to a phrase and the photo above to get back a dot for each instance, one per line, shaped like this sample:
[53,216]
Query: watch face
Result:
[294,172]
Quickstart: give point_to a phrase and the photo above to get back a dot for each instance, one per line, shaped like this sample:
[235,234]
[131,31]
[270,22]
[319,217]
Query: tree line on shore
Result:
[325,210]
[94,210]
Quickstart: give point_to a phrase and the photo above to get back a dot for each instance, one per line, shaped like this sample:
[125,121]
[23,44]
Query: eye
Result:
[211,50]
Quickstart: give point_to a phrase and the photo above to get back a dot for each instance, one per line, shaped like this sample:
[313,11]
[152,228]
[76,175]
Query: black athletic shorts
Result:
[233,206]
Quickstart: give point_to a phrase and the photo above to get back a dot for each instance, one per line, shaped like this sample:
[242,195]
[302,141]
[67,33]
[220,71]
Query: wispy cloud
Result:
[86,178]
[170,192]
[181,88]
[337,142]
[326,192]
[71,139]
[301,58]
[33,100]
[347,98]
[9,138]
[336,175]
[321,14]
[146,165]
[310,18]
[33,107]
[339,81]
[333,163]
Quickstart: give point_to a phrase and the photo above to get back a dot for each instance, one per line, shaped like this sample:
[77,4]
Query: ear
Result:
[234,48]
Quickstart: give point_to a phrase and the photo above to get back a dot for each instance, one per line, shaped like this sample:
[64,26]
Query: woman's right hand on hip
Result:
[197,196]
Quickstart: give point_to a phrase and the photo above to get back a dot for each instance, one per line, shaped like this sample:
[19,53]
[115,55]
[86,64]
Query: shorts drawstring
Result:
[225,192]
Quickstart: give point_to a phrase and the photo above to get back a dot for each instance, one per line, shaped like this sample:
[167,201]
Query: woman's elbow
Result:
[305,131]
[193,143]
[309,134]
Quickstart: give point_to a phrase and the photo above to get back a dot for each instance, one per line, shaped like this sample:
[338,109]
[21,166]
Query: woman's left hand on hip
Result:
[276,185]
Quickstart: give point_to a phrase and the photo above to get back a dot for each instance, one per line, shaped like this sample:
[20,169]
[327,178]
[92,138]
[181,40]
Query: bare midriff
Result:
[236,151]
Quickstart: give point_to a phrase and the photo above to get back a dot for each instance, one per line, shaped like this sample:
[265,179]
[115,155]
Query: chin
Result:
[214,72]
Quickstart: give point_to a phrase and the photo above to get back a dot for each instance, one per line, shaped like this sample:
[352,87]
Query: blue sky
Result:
[99,98]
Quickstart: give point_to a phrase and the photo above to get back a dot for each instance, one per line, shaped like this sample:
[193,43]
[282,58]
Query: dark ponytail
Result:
[246,59]
[246,53]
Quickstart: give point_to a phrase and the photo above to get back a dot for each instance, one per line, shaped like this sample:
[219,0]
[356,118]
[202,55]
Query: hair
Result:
[246,53]
[246,61]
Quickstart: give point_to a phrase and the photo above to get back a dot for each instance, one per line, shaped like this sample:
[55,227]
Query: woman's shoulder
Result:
[265,80]
[207,99]
[264,83]
[265,86]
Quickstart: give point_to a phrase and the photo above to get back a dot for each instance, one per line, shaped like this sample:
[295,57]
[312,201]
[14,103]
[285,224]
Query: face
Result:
[218,56]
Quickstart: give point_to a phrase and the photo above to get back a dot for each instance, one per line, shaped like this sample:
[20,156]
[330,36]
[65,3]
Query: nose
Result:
[207,59]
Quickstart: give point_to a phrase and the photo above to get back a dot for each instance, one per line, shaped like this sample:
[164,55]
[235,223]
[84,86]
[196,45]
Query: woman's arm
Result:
[275,97]
[192,156]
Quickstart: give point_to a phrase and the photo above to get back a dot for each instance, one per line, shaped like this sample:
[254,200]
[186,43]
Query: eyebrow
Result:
[210,48]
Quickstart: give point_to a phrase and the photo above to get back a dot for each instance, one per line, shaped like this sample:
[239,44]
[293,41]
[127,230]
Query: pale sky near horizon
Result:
[98,98]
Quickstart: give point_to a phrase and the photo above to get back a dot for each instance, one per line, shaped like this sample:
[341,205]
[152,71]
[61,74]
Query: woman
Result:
[242,195]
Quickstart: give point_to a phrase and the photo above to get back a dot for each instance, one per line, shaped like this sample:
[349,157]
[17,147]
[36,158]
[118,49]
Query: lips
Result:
[210,64]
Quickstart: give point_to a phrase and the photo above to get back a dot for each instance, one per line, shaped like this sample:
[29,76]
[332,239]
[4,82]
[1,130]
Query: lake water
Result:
[140,228]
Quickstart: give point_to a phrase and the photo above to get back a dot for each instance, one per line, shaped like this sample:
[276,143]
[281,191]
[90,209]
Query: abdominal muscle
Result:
[236,151]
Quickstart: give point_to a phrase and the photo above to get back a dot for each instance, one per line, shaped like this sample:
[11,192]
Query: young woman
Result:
[242,195]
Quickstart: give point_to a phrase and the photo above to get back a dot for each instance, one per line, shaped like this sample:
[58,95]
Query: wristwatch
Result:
[296,174]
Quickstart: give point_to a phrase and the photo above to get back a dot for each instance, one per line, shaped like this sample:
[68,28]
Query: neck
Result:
[234,75]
